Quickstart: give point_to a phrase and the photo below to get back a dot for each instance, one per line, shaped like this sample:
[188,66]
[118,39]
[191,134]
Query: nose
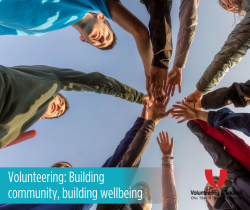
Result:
[58,108]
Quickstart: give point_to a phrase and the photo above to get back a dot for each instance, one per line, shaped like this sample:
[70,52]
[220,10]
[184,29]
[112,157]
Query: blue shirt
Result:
[226,118]
[112,161]
[37,17]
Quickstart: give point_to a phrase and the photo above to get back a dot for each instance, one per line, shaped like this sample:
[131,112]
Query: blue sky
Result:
[89,133]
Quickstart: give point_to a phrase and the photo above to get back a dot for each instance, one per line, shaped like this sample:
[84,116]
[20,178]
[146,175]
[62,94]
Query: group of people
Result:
[30,93]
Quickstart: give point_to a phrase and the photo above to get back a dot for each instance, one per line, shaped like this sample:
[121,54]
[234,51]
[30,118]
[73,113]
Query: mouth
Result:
[53,108]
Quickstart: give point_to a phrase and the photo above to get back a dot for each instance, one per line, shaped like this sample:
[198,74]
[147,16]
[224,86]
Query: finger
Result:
[172,142]
[177,118]
[176,115]
[185,98]
[179,87]
[167,137]
[177,112]
[158,141]
[166,90]
[181,121]
[169,90]
[168,112]
[178,106]
[152,78]
[164,137]
[166,102]
[173,91]
[161,138]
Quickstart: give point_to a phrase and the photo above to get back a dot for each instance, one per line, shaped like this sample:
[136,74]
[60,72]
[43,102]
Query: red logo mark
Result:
[210,179]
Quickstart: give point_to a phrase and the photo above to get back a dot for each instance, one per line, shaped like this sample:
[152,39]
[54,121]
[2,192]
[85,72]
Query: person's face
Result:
[56,108]
[214,194]
[146,198]
[227,5]
[96,32]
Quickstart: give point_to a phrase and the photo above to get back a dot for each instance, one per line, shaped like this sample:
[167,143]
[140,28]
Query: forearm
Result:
[169,195]
[134,153]
[144,47]
[215,149]
[225,118]
[160,31]
[188,22]
[237,93]
[233,50]
[98,83]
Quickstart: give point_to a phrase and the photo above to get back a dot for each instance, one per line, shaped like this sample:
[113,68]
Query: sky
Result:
[94,125]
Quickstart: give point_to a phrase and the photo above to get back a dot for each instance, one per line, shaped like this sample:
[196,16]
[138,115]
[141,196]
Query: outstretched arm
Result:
[126,20]
[220,157]
[188,22]
[98,83]
[169,196]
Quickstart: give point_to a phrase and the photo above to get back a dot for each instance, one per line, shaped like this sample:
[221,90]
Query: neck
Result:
[81,23]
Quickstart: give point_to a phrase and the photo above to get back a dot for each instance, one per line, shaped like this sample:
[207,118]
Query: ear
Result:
[82,39]
[230,5]
[100,16]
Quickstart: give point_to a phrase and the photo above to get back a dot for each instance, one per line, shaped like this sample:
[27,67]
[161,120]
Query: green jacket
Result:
[236,46]
[26,91]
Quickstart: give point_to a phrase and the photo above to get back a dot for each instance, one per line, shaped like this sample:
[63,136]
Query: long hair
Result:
[237,9]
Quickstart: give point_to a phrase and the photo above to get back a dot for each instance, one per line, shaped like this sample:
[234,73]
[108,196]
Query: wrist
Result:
[198,105]
[176,68]
[155,120]
[202,115]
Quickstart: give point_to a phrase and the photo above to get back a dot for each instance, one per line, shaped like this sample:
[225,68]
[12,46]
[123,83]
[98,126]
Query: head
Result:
[57,107]
[215,193]
[146,195]
[95,30]
[232,6]
[62,165]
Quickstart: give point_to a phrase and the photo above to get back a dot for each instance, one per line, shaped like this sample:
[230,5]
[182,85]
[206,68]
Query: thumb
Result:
[168,112]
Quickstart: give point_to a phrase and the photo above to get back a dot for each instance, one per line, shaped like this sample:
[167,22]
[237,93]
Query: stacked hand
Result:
[187,112]
[158,79]
[158,110]
[174,78]
[165,145]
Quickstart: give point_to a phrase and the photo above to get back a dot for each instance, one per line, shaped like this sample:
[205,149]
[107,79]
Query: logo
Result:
[221,180]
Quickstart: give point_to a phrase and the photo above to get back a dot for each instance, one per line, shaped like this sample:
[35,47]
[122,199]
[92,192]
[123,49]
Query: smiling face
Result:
[96,32]
[56,108]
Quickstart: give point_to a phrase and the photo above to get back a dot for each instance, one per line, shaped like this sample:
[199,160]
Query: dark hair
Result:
[228,183]
[61,164]
[66,105]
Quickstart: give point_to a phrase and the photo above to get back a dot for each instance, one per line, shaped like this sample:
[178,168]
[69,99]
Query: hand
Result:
[196,104]
[174,78]
[195,96]
[165,145]
[186,112]
[158,77]
[158,110]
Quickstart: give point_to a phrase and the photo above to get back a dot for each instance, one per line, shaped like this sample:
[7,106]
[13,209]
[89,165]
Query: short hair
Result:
[114,41]
[66,105]
[228,183]
[62,164]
